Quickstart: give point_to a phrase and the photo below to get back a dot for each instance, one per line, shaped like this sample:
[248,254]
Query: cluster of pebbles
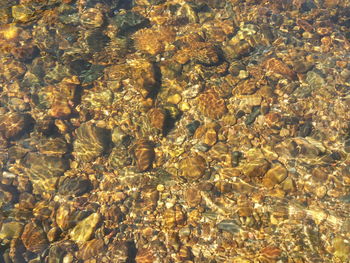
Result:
[174,131]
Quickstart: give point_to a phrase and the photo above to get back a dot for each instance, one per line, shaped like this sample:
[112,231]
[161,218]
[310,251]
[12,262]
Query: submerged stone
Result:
[85,229]
[91,142]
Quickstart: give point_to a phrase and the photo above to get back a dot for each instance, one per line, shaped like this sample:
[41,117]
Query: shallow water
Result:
[174,131]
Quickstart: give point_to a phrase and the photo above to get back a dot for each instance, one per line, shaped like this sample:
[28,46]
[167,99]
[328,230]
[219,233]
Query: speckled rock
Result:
[211,105]
[98,99]
[74,185]
[119,158]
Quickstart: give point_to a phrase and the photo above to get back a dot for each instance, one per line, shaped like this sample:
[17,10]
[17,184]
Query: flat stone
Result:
[85,229]
[275,176]
[256,168]
[11,230]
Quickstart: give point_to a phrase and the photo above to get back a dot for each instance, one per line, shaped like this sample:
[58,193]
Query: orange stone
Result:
[211,105]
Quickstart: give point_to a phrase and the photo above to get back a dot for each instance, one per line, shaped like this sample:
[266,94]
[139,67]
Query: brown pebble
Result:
[144,154]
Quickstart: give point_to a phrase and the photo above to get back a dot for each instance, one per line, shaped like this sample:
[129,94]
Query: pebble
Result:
[22,13]
[230,226]
[85,229]
[256,168]
[11,230]
[341,247]
[192,127]
[144,154]
[192,167]
[90,142]
[174,99]
[14,124]
[34,238]
[275,176]
[74,186]
[211,105]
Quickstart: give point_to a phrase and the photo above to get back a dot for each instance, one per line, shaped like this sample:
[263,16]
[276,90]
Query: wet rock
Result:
[157,118]
[173,217]
[301,147]
[143,152]
[230,226]
[315,80]
[12,69]
[85,229]
[274,176]
[22,13]
[14,124]
[128,21]
[60,251]
[11,230]
[98,99]
[74,186]
[91,249]
[53,234]
[91,74]
[288,185]
[145,255]
[256,168]
[253,115]
[341,248]
[17,104]
[53,146]
[120,138]
[92,18]
[206,55]
[202,147]
[96,41]
[34,238]
[91,142]
[193,197]
[193,167]
[154,41]
[199,52]
[144,76]
[44,171]
[276,66]
[345,198]
[301,66]
[210,137]
[192,127]
[236,157]
[59,97]
[211,105]
[236,49]
[305,129]
[67,216]
[119,158]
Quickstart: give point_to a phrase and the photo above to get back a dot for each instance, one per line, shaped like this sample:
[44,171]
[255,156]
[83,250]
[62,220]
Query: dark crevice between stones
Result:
[132,252]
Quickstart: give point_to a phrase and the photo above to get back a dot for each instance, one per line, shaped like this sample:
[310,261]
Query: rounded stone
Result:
[275,176]
[193,167]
